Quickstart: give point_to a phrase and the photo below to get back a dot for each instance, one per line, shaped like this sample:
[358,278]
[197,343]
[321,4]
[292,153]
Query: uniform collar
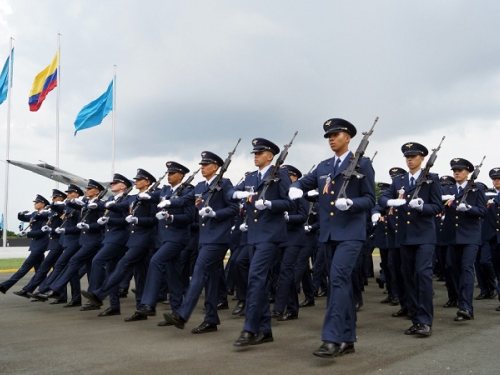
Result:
[341,157]
[264,170]
[415,176]
[462,186]
[211,180]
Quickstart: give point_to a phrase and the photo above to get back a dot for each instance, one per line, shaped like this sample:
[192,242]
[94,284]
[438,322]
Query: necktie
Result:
[412,182]
[206,185]
[259,178]
[460,190]
[337,166]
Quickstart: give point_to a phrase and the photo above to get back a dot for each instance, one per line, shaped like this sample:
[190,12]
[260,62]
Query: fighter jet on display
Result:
[54,173]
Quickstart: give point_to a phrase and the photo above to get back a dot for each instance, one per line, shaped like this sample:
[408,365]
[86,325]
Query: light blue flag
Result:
[4,79]
[1,223]
[93,113]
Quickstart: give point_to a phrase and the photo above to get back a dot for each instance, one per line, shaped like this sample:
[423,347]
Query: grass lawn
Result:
[11,264]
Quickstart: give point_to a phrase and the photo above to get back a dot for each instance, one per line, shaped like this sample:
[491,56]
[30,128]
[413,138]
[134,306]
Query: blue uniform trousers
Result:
[340,317]
[286,296]
[59,267]
[43,270]
[136,259]
[451,284]
[387,275]
[83,257]
[396,270]
[485,269]
[417,270]
[206,274]
[103,264]
[164,263]
[320,270]
[358,279]
[462,260]
[242,266]
[231,271]
[35,259]
[258,314]
[301,273]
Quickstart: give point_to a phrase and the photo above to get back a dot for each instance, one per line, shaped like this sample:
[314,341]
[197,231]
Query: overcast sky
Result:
[197,75]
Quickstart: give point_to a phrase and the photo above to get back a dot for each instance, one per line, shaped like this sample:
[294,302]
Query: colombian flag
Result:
[44,83]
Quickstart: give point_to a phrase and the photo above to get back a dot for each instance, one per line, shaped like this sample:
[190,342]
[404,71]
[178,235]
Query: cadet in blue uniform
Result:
[114,243]
[462,229]
[70,235]
[90,238]
[266,230]
[342,230]
[142,229]
[54,247]
[215,221]
[286,306]
[38,245]
[416,234]
[173,235]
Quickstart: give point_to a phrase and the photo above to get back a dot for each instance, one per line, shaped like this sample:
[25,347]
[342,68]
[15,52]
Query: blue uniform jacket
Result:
[184,215]
[296,235]
[116,229]
[491,222]
[94,235]
[339,225]
[313,221]
[39,239]
[415,227]
[266,225]
[464,228]
[70,218]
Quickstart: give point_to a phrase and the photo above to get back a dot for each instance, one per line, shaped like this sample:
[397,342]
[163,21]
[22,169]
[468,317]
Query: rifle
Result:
[471,184]
[373,157]
[274,175]
[99,197]
[181,188]
[126,192]
[218,180]
[353,168]
[424,175]
[152,188]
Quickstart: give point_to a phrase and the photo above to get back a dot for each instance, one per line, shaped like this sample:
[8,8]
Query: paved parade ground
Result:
[39,338]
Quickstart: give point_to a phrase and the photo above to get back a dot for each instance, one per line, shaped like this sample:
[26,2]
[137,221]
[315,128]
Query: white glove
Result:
[343,204]
[463,207]
[417,204]
[57,203]
[78,201]
[312,193]
[262,205]
[110,204]
[103,220]
[395,202]
[82,225]
[295,193]
[164,204]
[162,215]
[307,228]
[46,228]
[490,201]
[24,212]
[59,230]
[445,198]
[22,233]
[45,211]
[242,194]
[243,227]
[131,219]
[92,206]
[144,196]
[286,216]
[376,217]
[207,211]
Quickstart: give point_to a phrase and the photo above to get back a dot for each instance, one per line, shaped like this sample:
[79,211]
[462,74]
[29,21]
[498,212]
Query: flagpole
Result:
[58,97]
[113,125]
[7,153]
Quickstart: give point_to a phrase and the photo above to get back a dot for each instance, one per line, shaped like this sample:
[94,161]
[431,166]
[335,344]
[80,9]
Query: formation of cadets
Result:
[276,222]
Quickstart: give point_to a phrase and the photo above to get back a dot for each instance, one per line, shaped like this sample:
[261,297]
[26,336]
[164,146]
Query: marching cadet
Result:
[416,234]
[114,243]
[70,235]
[90,239]
[173,235]
[53,214]
[286,306]
[342,231]
[142,229]
[215,221]
[266,230]
[462,231]
[491,226]
[38,245]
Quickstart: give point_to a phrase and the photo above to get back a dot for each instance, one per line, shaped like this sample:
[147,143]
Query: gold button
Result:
[131,231]
[331,214]
[255,220]
[396,224]
[166,226]
[133,225]
[256,193]
[331,192]
[457,202]
[331,203]
[203,224]
[408,195]
[407,222]
[396,231]
[396,217]
[107,230]
[254,211]
[498,230]
[202,201]
[50,238]
[409,213]
[456,217]
[456,225]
